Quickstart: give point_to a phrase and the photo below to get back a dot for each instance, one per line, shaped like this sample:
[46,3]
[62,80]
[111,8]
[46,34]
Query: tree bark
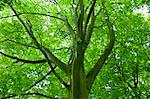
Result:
[79,86]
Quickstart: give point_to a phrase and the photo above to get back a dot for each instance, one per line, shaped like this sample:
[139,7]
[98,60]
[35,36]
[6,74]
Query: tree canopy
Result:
[74,49]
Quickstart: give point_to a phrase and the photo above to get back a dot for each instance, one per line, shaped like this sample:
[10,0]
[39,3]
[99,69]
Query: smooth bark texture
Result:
[79,88]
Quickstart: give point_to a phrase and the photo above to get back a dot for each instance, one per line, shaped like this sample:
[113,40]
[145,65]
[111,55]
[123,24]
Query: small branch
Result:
[89,25]
[88,5]
[33,13]
[80,19]
[75,14]
[38,81]
[58,77]
[89,15]
[70,28]
[130,86]
[99,11]
[74,35]
[26,45]
[25,94]
[24,60]
[22,64]
[116,3]
[62,81]
[89,30]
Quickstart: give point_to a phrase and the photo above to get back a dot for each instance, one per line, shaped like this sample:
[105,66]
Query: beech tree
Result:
[71,40]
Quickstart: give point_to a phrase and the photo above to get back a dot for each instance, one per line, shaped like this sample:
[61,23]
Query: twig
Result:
[38,81]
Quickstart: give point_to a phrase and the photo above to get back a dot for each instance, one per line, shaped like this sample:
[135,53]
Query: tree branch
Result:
[33,13]
[58,77]
[75,14]
[89,15]
[90,30]
[46,52]
[80,20]
[20,43]
[25,94]
[91,76]
[24,60]
[49,56]
[38,81]
[65,20]
[70,28]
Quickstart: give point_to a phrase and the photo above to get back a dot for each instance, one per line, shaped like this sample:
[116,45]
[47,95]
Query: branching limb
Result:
[91,76]
[24,60]
[65,20]
[69,27]
[46,52]
[50,57]
[52,70]
[99,11]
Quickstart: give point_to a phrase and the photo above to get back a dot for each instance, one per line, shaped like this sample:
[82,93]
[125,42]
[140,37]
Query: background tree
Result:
[43,42]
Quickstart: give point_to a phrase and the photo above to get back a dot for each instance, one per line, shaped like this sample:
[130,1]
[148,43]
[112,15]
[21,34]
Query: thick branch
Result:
[24,60]
[55,60]
[91,76]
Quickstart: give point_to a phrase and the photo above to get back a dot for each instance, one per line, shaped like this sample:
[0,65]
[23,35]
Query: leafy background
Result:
[131,49]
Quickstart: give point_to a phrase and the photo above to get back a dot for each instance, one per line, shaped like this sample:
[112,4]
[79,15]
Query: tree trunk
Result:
[79,85]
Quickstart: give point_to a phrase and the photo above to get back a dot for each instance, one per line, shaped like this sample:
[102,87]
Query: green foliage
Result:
[3,3]
[129,58]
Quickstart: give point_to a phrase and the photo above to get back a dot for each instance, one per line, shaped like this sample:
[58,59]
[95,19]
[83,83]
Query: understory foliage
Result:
[74,49]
